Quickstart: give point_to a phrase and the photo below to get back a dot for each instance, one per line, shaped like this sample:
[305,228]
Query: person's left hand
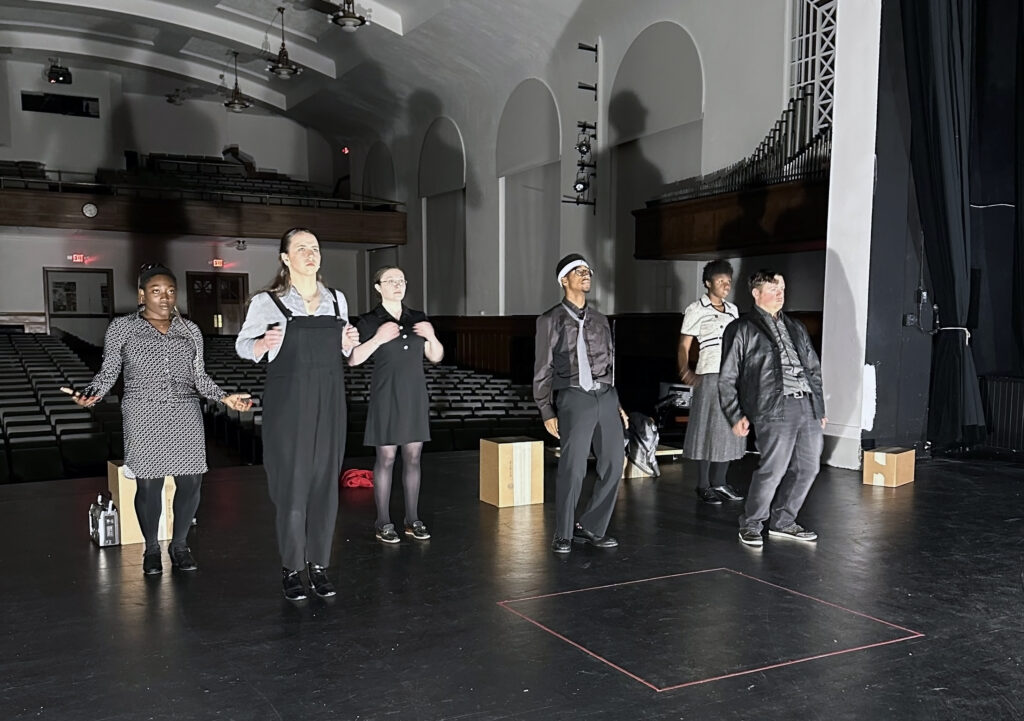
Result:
[424,330]
[349,338]
[237,401]
[824,422]
[625,419]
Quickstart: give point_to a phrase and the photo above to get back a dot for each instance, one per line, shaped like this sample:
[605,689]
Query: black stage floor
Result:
[909,607]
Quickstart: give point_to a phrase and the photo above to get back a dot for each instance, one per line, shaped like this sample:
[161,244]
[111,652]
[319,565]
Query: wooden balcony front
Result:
[783,218]
[179,216]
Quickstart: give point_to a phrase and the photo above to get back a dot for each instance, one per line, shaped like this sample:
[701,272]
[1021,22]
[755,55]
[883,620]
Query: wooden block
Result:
[511,471]
[122,490]
[889,466]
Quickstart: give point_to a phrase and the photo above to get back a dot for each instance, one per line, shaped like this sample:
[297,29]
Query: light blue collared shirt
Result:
[263,311]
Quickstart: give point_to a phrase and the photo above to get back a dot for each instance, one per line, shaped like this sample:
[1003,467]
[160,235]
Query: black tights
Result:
[149,503]
[382,471]
[711,473]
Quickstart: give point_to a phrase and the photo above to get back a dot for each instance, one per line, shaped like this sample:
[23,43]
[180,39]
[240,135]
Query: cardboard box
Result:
[122,490]
[889,467]
[511,471]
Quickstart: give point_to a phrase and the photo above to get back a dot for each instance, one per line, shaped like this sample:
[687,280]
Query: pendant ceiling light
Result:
[282,66]
[237,102]
[347,18]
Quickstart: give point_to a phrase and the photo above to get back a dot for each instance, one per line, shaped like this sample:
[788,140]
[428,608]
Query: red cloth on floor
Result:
[357,478]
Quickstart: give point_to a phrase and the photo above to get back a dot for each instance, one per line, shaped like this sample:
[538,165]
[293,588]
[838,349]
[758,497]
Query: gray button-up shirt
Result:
[793,380]
[263,311]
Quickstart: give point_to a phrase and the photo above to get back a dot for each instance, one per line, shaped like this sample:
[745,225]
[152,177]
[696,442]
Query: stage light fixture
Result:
[583,145]
[58,74]
[581,185]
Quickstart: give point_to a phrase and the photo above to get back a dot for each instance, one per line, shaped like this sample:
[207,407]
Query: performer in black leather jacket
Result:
[771,378]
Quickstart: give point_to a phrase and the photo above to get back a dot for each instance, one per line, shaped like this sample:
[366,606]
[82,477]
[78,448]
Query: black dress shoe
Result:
[561,545]
[293,588]
[181,558]
[727,493]
[708,496]
[319,582]
[151,565]
[582,535]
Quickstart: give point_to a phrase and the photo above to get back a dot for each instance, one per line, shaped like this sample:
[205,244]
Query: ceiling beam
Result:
[225,30]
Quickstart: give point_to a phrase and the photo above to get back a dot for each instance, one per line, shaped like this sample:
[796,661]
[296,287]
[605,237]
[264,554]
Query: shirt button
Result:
[405,336]
[405,347]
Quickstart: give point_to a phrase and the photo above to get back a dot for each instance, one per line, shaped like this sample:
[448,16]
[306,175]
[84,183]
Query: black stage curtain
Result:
[938,41]
[1017,313]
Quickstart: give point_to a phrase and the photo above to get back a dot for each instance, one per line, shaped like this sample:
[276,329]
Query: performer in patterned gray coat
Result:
[161,356]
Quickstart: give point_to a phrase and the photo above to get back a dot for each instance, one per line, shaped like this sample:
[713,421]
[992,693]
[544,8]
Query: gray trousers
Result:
[585,420]
[790,457]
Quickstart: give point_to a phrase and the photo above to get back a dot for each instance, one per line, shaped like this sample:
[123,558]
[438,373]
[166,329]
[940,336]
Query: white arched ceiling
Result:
[529,134]
[442,159]
[379,173]
[659,84]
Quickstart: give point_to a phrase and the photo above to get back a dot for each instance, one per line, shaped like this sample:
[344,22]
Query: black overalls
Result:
[304,420]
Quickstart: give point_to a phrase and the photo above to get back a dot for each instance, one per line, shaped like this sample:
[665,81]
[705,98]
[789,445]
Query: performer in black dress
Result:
[301,326]
[398,338]
[161,355]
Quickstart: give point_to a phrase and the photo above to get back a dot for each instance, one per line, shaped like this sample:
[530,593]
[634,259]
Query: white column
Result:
[848,258]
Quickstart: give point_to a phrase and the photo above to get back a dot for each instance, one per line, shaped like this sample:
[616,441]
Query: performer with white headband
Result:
[573,388]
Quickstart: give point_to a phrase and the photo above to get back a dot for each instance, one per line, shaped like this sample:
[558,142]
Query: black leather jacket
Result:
[555,364]
[750,379]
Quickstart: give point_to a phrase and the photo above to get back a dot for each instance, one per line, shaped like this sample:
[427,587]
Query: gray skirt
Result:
[709,436]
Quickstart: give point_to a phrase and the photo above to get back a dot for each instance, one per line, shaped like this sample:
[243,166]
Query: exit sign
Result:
[77,257]
[217,262]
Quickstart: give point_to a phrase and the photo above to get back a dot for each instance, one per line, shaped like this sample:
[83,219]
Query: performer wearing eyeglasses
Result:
[573,388]
[301,327]
[161,355]
[398,338]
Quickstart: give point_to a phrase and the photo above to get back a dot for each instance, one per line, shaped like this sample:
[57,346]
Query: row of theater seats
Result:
[25,174]
[45,435]
[465,406]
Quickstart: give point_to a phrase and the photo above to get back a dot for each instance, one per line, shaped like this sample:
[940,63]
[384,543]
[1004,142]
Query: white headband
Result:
[570,267]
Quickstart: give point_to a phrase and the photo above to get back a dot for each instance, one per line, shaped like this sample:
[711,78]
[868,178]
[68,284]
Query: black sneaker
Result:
[727,493]
[751,537]
[293,588]
[181,558]
[387,534]
[708,496]
[417,530]
[794,531]
[151,564]
[561,545]
[319,582]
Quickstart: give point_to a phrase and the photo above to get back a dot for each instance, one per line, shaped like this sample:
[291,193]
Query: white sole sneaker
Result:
[805,536]
[753,543]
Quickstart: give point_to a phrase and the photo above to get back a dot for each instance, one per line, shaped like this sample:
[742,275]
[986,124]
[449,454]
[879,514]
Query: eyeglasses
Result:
[583,272]
[398,283]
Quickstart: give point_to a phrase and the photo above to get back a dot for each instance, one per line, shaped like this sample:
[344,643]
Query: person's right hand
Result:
[551,426]
[742,427]
[270,340]
[387,332]
[688,377]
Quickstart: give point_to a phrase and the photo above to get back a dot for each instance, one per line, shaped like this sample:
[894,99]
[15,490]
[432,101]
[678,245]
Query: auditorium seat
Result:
[34,458]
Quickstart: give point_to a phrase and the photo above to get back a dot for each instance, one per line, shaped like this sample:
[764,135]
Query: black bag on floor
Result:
[643,438]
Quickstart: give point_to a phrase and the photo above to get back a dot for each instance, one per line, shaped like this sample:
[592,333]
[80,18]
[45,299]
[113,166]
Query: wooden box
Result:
[122,490]
[511,471]
[889,466]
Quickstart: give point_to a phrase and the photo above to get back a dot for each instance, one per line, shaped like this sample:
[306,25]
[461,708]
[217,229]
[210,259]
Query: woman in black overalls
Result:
[302,328]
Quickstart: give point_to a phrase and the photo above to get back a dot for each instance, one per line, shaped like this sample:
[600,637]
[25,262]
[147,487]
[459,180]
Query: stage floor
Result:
[908,607]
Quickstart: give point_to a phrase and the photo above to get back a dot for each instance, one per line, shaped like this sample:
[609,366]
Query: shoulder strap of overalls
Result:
[337,308]
[280,306]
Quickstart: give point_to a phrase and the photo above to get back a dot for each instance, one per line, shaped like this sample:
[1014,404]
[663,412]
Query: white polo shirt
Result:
[703,322]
